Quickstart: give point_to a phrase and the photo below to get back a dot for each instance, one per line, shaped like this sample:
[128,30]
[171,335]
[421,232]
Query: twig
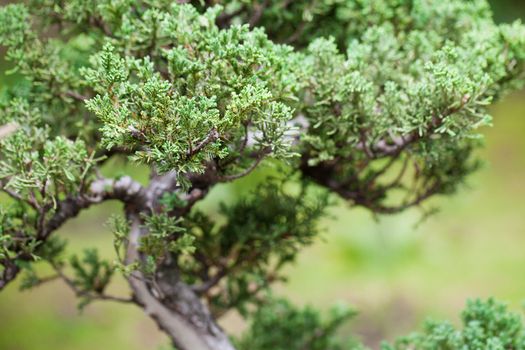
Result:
[86,294]
[8,129]
[76,95]
[17,196]
[257,14]
[207,285]
[212,136]
[227,178]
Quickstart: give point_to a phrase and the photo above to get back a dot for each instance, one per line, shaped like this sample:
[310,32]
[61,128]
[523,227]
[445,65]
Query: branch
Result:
[18,197]
[99,23]
[430,191]
[212,136]
[296,34]
[257,13]
[11,270]
[75,95]
[8,129]
[124,189]
[182,316]
[86,294]
[255,163]
[207,285]
[46,279]
[383,148]
[224,19]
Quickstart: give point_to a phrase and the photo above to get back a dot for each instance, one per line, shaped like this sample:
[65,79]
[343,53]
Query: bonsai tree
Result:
[375,101]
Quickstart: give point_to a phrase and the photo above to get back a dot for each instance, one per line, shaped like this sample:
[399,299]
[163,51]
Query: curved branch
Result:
[175,308]
[257,13]
[124,189]
[11,270]
[384,148]
[212,136]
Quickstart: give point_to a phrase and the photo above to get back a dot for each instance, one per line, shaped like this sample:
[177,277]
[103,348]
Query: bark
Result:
[170,302]
[124,189]
[175,308]
[9,273]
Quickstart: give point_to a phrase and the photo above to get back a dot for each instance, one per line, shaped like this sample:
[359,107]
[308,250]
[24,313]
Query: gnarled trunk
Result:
[176,309]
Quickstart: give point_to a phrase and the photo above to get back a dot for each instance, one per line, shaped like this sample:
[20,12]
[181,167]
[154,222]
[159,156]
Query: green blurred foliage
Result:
[395,271]
[508,10]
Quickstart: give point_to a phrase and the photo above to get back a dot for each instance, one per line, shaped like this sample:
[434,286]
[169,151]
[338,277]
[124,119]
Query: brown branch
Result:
[46,279]
[8,129]
[296,34]
[380,209]
[124,189]
[11,270]
[171,303]
[17,196]
[400,175]
[224,19]
[228,178]
[75,95]
[87,294]
[384,148]
[258,155]
[211,137]
[212,282]
[99,23]
[257,13]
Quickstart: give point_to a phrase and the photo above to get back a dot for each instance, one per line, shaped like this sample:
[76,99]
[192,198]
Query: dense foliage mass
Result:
[486,325]
[377,101]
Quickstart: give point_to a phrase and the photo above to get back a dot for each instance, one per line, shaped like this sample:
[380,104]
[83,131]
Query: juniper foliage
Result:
[377,101]
[486,325]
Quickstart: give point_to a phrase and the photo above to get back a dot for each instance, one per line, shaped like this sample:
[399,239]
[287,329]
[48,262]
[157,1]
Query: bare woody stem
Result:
[124,189]
[176,309]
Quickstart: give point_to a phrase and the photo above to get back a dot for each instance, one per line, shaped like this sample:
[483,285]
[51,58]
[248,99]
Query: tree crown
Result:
[377,101]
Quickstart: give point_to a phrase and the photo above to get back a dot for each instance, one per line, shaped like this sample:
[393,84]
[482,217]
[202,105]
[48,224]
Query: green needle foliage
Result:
[376,101]
[279,325]
[486,325]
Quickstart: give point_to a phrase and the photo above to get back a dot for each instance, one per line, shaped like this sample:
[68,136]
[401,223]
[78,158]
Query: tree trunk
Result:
[176,309]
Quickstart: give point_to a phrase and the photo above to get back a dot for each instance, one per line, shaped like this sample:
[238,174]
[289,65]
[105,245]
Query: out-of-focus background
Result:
[394,272]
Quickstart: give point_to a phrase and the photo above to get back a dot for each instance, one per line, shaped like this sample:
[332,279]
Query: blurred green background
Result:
[393,271]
